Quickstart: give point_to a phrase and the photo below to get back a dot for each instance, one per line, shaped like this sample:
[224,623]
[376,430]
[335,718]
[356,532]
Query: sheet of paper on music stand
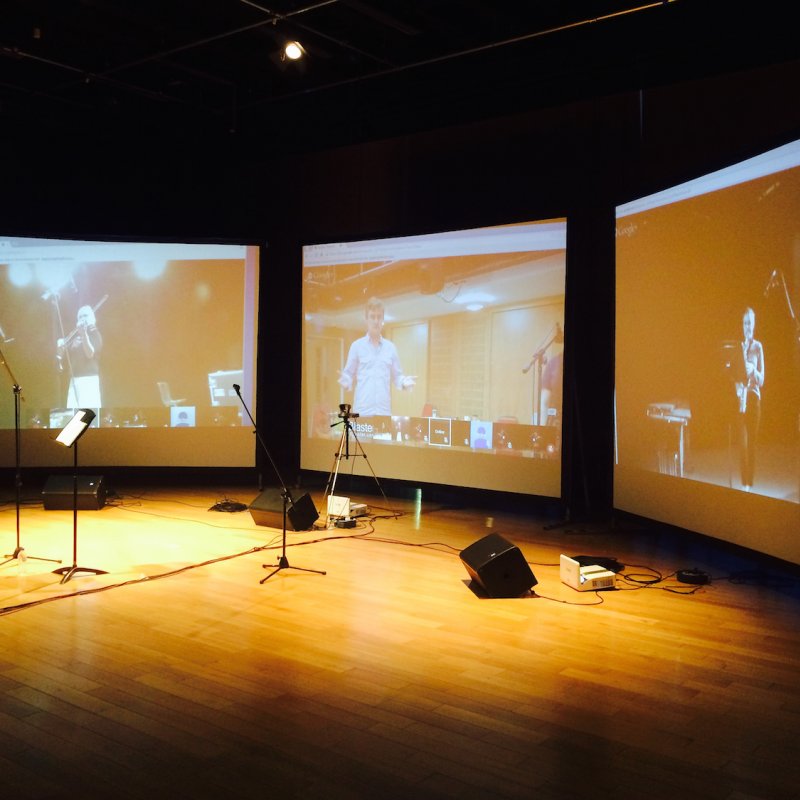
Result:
[75,428]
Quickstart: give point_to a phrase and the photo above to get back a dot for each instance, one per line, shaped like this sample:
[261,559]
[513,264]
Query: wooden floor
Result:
[179,674]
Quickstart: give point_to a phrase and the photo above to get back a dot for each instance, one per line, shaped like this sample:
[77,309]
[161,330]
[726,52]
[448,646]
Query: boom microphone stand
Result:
[19,553]
[283,562]
[539,359]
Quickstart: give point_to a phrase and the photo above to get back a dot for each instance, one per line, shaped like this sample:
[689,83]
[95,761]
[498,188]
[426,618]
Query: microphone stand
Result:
[63,351]
[283,562]
[777,279]
[539,358]
[789,308]
[19,553]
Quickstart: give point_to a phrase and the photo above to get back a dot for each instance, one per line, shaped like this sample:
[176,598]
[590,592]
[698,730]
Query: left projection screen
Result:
[151,336]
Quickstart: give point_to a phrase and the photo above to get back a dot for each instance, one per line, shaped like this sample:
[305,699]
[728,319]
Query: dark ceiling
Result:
[374,68]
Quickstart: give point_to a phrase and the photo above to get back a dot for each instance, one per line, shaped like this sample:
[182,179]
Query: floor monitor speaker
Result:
[498,567]
[267,509]
[59,493]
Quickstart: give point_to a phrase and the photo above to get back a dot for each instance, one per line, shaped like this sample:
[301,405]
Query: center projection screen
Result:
[151,336]
[708,354]
[449,348]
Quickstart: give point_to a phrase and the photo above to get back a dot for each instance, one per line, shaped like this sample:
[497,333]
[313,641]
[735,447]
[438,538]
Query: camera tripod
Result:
[344,452]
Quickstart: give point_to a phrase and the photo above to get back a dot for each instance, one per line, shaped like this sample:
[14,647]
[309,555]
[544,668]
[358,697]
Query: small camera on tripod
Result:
[345,412]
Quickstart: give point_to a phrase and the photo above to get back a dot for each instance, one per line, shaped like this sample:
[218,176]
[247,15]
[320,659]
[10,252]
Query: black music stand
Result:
[19,553]
[69,436]
[283,562]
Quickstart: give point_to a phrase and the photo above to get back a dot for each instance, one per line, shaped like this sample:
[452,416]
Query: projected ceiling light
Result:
[148,269]
[474,307]
[293,51]
[474,298]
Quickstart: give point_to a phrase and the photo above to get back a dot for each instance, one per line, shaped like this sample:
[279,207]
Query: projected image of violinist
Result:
[78,356]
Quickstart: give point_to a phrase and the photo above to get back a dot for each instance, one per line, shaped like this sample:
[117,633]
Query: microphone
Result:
[48,294]
[236,388]
[772,283]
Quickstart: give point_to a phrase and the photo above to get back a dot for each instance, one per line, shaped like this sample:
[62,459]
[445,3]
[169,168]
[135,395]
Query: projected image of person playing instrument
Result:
[372,366]
[749,394]
[79,354]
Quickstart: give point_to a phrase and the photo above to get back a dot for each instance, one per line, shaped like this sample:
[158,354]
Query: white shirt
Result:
[372,366]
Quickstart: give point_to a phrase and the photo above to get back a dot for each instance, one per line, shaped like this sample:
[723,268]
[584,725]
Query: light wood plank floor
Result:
[179,674]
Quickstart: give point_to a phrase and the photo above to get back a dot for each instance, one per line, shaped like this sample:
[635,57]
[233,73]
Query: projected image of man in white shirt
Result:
[373,364]
[79,353]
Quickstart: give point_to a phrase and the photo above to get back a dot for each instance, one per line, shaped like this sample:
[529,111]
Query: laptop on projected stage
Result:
[220,386]
[585,579]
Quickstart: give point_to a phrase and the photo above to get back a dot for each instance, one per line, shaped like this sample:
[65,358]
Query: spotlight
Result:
[293,51]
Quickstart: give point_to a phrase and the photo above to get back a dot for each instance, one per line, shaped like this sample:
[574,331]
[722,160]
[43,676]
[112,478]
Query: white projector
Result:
[585,579]
[359,509]
[338,506]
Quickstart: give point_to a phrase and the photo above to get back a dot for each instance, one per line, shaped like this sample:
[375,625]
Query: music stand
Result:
[69,436]
[283,562]
[19,551]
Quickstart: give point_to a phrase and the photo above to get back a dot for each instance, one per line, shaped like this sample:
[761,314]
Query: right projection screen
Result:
[708,354]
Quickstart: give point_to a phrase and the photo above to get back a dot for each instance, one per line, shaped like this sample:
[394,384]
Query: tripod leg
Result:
[278,568]
[331,486]
[20,555]
[284,564]
[39,558]
[13,556]
[360,452]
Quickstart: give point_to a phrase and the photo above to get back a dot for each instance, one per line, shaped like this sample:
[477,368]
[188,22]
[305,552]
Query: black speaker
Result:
[267,509]
[498,567]
[59,493]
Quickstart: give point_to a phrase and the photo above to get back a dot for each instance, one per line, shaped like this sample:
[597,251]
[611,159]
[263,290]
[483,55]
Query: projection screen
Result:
[151,336]
[708,354]
[449,348]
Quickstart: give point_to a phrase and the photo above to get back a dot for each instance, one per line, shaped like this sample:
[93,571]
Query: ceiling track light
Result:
[292,51]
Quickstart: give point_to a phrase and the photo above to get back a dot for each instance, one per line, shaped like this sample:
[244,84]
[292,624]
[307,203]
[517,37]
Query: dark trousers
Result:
[750,421]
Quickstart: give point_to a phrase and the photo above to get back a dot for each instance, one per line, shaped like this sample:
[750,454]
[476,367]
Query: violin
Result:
[72,334]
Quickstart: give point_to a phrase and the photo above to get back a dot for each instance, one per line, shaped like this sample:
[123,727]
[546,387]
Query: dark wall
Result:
[575,161]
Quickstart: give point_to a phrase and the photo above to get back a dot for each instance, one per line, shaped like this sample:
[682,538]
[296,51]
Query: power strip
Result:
[694,576]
